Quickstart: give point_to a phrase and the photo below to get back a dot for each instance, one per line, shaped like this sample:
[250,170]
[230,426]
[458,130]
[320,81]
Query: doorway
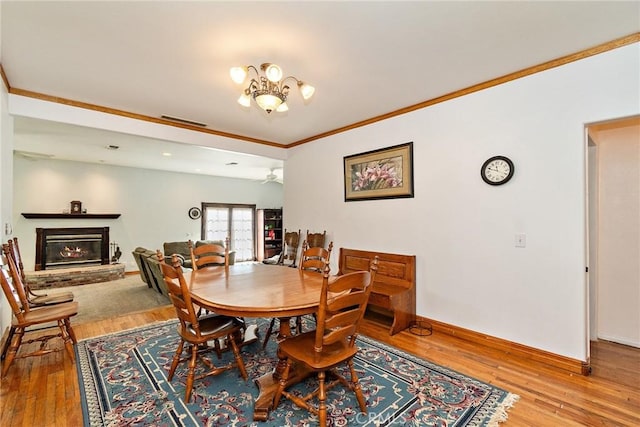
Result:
[236,221]
[614,230]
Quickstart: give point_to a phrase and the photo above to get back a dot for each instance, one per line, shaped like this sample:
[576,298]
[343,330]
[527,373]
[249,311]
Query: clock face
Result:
[76,206]
[497,170]
[194,213]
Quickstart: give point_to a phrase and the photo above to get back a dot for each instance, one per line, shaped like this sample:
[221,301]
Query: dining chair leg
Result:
[70,331]
[13,350]
[176,360]
[355,386]
[191,373]
[322,400]
[68,343]
[267,335]
[238,357]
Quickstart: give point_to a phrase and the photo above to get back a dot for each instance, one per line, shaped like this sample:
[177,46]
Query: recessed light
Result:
[166,154]
[112,147]
[232,163]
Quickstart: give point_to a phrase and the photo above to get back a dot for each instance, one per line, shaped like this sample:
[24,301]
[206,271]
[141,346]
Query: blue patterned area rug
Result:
[123,381]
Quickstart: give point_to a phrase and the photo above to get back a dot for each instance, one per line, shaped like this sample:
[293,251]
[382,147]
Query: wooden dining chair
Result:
[289,252]
[12,250]
[311,259]
[343,301]
[198,331]
[314,258]
[27,320]
[209,254]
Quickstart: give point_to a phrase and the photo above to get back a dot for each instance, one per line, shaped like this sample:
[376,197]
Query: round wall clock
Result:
[194,213]
[497,170]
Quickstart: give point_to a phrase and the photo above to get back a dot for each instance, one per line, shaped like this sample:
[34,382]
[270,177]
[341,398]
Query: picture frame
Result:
[386,173]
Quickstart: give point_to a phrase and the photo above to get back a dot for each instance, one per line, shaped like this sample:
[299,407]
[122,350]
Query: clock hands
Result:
[497,170]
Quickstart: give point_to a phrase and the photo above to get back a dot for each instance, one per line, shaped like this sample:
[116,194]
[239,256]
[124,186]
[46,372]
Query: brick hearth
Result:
[61,277]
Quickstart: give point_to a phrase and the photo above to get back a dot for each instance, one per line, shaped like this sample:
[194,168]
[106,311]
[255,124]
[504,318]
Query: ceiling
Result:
[365,59]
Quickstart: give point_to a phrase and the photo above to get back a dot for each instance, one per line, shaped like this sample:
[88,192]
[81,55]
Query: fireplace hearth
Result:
[71,247]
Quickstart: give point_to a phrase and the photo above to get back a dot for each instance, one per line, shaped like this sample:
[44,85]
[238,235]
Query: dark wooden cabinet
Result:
[272,232]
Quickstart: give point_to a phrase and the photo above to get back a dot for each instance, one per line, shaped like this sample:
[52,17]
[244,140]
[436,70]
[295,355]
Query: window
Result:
[236,221]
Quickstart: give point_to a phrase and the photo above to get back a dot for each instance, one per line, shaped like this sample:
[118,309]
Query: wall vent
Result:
[185,121]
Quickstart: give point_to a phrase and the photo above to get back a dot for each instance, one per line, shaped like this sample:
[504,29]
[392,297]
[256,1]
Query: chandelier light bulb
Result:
[238,74]
[244,100]
[282,108]
[273,72]
[306,90]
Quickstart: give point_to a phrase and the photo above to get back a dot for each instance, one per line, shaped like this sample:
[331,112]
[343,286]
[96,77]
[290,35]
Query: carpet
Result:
[98,301]
[123,382]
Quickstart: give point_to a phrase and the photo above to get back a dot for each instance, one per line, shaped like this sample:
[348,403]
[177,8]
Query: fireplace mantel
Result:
[69,216]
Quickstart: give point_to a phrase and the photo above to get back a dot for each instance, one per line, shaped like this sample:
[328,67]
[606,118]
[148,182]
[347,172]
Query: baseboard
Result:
[511,348]
[4,342]
[131,273]
[619,340]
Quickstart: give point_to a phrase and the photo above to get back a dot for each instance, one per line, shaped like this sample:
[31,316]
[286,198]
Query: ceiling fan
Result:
[272,177]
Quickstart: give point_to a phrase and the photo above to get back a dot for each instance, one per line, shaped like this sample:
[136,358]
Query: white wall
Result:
[469,272]
[6,150]
[6,179]
[153,204]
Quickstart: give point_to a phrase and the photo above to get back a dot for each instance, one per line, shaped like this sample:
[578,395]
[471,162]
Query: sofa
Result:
[150,271]
[184,254]
[149,266]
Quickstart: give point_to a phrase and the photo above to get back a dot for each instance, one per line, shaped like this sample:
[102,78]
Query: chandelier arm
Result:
[253,85]
[289,77]
[251,67]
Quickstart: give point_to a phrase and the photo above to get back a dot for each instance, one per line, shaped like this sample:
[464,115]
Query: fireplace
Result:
[71,247]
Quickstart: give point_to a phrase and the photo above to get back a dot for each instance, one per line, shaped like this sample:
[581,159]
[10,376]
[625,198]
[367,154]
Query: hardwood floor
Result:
[43,391]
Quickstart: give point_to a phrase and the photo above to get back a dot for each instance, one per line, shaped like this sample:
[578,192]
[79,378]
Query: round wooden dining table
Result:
[259,290]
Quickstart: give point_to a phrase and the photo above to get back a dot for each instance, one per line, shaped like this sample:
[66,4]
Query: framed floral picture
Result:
[379,174]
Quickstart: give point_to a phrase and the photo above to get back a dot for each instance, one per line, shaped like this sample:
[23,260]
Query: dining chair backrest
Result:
[17,258]
[316,240]
[209,254]
[343,301]
[14,274]
[179,293]
[13,290]
[290,249]
[315,258]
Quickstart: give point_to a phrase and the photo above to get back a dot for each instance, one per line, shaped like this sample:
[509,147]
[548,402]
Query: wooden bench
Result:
[394,288]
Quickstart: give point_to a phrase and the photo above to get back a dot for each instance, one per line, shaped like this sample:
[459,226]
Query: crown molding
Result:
[605,47]
[4,78]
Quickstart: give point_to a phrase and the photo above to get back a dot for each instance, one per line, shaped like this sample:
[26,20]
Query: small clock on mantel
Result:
[497,170]
[76,207]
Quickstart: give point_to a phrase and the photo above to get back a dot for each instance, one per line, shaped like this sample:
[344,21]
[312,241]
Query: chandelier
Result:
[268,89]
